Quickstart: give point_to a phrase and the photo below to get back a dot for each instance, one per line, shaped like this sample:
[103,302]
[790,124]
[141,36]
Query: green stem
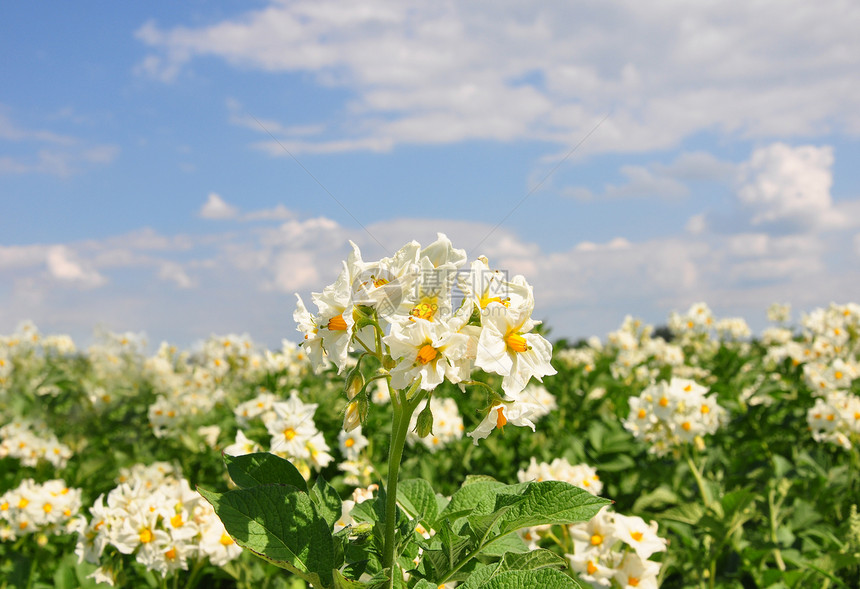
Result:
[195,573]
[403,408]
[773,508]
[700,481]
[707,500]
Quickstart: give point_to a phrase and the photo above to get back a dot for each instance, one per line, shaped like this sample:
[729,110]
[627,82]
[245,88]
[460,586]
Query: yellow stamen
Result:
[176,520]
[424,310]
[225,540]
[663,402]
[24,502]
[633,581]
[596,540]
[686,426]
[426,354]
[146,536]
[636,536]
[837,375]
[349,442]
[289,433]
[47,508]
[642,414]
[170,554]
[688,388]
[337,323]
[705,409]
[516,342]
[501,420]
[591,568]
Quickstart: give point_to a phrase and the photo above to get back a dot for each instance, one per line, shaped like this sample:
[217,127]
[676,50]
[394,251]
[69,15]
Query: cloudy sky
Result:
[183,168]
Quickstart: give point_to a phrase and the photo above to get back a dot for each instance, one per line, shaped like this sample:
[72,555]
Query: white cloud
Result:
[46,152]
[277,213]
[184,288]
[430,72]
[173,272]
[696,225]
[63,266]
[660,180]
[641,182]
[216,207]
[781,183]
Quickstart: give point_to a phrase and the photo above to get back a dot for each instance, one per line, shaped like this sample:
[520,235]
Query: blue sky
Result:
[142,189]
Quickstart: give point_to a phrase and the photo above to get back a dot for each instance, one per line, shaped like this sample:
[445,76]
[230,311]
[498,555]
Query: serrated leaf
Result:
[280,524]
[327,501]
[262,468]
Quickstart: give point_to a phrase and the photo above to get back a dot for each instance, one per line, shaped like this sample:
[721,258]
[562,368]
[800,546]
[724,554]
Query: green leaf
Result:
[327,501]
[532,560]
[280,524]
[502,545]
[418,499]
[262,468]
[491,577]
[659,497]
[469,496]
[341,582]
[481,526]
[690,513]
[549,503]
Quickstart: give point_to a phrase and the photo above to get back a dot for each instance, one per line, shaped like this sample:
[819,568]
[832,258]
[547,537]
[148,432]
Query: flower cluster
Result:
[694,328]
[580,475]
[293,433]
[157,517]
[614,547]
[431,317]
[669,414]
[836,419]
[47,508]
[31,442]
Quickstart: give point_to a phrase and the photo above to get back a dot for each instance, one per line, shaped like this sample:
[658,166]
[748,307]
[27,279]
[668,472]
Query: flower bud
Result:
[356,413]
[352,418]
[354,383]
[425,422]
